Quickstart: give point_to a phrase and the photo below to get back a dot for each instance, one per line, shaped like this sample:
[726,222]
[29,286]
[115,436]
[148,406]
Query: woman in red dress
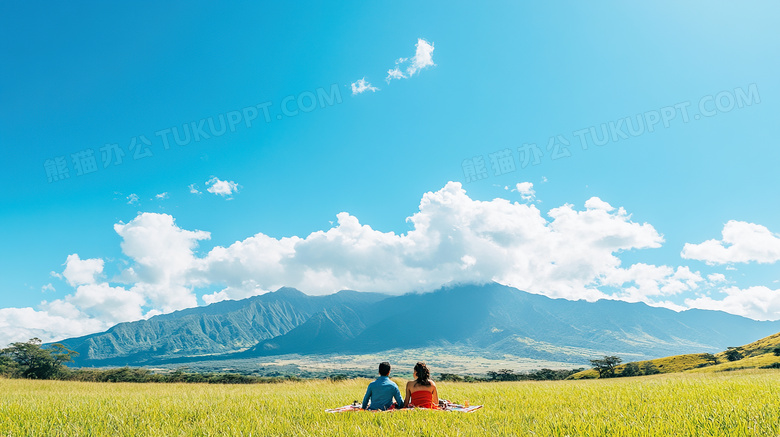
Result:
[421,392]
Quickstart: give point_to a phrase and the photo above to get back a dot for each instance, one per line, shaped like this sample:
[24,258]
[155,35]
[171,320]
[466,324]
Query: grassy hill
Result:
[754,355]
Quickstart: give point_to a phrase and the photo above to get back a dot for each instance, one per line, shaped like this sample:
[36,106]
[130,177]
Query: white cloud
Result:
[644,282]
[716,278]
[78,271]
[220,187]
[394,73]
[163,256]
[160,282]
[596,203]
[193,189]
[362,86]
[48,287]
[161,196]
[106,303]
[760,303]
[568,252]
[742,243]
[526,190]
[22,324]
[132,198]
[454,239]
[423,58]
[218,296]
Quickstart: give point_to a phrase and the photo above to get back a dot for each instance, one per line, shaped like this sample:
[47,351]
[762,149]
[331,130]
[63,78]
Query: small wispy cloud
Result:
[193,188]
[423,58]
[132,199]
[162,196]
[362,86]
[526,190]
[48,287]
[220,187]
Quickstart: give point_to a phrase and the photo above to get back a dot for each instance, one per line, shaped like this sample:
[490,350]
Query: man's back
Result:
[381,392]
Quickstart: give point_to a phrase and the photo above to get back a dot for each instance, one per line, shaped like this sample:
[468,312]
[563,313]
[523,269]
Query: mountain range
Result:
[492,319]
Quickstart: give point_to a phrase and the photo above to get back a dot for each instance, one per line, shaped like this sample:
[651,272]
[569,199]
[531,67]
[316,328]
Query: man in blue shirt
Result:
[382,391]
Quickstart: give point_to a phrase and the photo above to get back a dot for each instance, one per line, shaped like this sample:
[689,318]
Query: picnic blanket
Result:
[450,407]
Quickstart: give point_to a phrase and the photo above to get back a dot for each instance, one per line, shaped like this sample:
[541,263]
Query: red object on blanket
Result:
[422,399]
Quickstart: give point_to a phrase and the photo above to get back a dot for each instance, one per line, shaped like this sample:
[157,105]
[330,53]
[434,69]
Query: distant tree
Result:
[650,369]
[337,377]
[631,369]
[35,362]
[450,377]
[547,375]
[710,359]
[776,351]
[733,354]
[606,367]
[502,375]
[8,367]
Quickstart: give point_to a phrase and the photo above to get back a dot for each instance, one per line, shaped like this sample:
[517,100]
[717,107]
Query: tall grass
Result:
[745,403]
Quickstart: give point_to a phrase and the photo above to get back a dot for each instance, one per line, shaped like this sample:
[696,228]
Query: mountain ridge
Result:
[491,318]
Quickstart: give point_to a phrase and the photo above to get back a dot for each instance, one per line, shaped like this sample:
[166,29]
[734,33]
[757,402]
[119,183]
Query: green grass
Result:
[741,403]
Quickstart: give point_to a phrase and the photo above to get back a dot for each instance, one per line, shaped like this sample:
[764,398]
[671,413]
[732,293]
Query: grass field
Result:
[741,403]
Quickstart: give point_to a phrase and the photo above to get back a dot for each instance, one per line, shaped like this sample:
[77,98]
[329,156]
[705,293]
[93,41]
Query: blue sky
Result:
[94,78]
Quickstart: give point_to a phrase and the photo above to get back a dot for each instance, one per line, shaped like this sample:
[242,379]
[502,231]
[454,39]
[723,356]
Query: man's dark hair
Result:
[384,368]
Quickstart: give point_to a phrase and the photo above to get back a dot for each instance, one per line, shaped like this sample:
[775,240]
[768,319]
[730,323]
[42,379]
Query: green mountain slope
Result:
[490,318]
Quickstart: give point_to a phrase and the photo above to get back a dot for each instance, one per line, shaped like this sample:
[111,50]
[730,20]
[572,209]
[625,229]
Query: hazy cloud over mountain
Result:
[567,252]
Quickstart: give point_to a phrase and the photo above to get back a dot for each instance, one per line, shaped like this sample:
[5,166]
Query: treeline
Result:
[511,375]
[31,361]
[136,374]
[607,368]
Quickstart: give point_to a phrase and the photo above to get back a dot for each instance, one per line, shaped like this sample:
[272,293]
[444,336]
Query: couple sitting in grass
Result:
[420,392]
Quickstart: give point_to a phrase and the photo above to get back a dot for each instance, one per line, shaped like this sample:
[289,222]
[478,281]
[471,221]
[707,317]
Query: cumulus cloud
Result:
[159,280]
[163,257]
[570,252]
[22,324]
[362,86]
[454,239]
[220,187]
[423,58]
[596,203]
[645,283]
[741,242]
[716,278]
[526,190]
[760,303]
[104,302]
[79,272]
